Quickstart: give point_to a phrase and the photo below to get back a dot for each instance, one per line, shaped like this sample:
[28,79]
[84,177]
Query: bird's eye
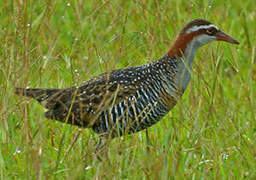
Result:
[211,31]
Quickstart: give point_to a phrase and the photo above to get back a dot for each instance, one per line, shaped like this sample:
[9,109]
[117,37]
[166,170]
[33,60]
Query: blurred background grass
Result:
[56,44]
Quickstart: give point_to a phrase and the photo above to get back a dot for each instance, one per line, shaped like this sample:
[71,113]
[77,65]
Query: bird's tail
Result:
[43,96]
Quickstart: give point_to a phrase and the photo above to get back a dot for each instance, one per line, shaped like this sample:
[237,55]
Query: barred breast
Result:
[155,95]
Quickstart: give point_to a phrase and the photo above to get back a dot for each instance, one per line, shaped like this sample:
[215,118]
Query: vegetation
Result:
[56,44]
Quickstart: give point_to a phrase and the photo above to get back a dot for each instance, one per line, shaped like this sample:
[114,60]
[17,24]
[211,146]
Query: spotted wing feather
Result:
[82,105]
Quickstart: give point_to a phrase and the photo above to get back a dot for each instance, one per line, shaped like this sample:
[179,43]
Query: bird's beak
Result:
[221,36]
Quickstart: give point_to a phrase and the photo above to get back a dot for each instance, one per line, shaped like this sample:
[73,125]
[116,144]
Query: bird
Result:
[132,99]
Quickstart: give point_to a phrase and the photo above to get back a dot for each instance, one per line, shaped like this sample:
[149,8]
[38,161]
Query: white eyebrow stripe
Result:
[195,28]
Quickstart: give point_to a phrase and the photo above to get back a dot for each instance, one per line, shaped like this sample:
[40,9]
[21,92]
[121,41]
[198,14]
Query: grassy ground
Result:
[211,133]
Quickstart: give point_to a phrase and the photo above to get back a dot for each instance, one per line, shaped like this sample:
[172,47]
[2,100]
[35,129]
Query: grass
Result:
[211,132]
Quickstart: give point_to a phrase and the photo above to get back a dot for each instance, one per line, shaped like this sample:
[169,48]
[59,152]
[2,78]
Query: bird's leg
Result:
[101,147]
[148,140]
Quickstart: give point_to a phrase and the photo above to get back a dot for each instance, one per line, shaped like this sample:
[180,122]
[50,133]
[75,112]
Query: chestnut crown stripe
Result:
[196,28]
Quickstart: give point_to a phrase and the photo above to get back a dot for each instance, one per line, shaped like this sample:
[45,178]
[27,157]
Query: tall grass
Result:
[211,133]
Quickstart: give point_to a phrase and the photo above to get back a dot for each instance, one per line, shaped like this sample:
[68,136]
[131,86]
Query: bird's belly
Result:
[131,116]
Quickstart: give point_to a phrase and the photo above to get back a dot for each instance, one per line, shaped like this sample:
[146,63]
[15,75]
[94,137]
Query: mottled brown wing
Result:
[83,105]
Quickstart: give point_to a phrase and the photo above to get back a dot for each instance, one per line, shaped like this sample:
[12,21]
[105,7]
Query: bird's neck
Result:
[183,50]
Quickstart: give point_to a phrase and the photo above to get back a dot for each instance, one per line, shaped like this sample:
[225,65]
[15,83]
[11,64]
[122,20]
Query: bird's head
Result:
[197,33]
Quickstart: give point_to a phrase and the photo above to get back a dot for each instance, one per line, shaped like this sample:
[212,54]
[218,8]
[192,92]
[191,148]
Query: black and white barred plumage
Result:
[119,102]
[145,106]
